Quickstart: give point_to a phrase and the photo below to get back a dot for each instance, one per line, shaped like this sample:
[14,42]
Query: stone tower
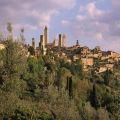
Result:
[33,43]
[42,45]
[54,42]
[42,42]
[64,40]
[60,40]
[77,43]
[46,35]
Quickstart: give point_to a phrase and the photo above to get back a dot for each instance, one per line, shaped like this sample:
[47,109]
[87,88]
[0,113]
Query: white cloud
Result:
[65,22]
[80,17]
[102,26]
[99,36]
[65,3]
[92,10]
[44,17]
[82,8]
[38,12]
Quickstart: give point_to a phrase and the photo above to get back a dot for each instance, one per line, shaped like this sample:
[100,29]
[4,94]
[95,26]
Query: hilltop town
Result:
[59,59]
[42,82]
[90,57]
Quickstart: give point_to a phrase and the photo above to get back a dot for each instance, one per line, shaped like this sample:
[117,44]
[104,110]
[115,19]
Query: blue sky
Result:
[92,22]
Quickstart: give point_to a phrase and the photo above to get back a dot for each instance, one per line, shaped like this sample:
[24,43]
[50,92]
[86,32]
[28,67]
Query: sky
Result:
[92,22]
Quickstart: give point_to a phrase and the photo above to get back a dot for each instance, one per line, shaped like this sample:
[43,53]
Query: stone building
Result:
[63,40]
[60,41]
[42,45]
[87,61]
[33,43]
[46,35]
[2,46]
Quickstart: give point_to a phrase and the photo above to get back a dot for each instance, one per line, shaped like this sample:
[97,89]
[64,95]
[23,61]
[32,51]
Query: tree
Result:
[93,97]
[14,60]
[70,87]
[22,35]
[9,27]
[107,77]
[1,36]
[76,68]
[79,69]
[32,72]
[62,74]
[31,50]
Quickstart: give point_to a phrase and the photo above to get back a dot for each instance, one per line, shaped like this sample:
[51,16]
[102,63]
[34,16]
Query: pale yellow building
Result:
[87,62]
[42,45]
[2,46]
[64,40]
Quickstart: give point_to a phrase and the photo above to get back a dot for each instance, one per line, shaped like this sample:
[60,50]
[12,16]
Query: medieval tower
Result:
[60,40]
[64,40]
[33,43]
[42,44]
[77,43]
[46,35]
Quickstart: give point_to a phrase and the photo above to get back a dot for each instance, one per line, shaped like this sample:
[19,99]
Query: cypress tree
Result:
[93,97]
[70,87]
[67,86]
[107,77]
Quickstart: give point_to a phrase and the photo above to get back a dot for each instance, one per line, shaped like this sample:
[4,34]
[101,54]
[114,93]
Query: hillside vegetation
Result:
[50,88]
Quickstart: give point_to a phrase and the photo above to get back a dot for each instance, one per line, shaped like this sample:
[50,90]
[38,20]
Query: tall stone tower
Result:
[42,42]
[33,43]
[64,40]
[60,40]
[42,45]
[46,35]
[77,43]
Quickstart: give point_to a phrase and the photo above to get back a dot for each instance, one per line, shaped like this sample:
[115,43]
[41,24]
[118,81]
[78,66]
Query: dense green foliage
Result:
[50,88]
